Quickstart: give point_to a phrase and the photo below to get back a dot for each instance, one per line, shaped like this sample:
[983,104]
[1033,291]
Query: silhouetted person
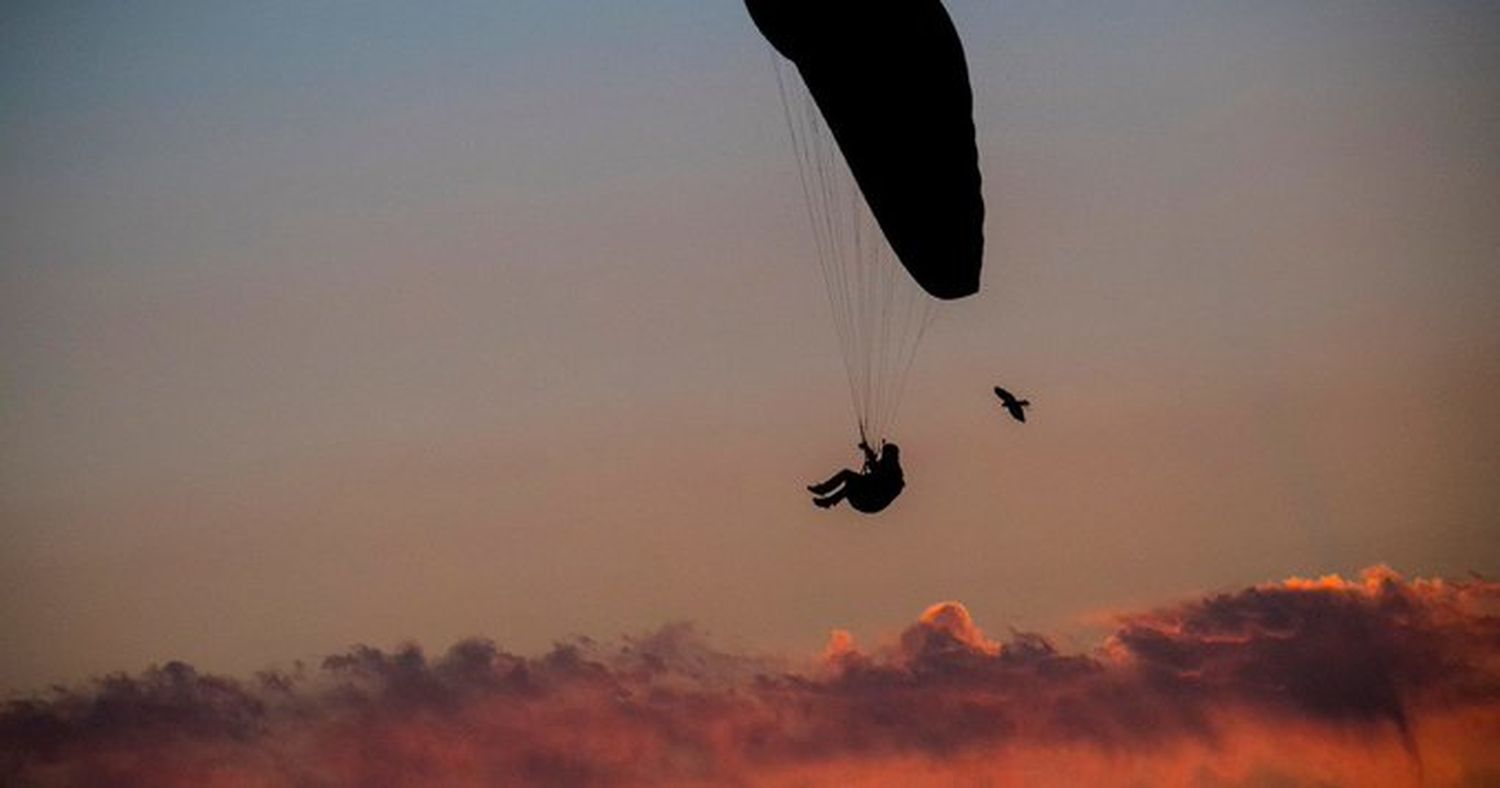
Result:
[1016,407]
[869,490]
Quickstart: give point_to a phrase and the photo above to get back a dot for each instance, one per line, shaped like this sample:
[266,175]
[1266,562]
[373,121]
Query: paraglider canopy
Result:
[890,80]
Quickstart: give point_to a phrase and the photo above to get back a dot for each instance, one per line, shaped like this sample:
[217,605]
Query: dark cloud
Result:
[1380,676]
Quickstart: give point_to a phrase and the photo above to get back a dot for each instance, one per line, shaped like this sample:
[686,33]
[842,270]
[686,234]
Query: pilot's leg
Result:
[840,478]
[832,500]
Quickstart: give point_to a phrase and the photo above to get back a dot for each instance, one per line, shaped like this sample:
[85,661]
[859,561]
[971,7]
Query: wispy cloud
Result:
[1380,680]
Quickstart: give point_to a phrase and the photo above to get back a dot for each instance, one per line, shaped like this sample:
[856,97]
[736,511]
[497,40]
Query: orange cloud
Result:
[1374,681]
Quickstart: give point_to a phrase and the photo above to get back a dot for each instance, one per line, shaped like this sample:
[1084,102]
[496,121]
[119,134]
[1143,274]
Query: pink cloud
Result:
[1373,681]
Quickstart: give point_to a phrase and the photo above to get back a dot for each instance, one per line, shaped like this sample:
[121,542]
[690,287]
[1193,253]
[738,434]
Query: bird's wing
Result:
[1004,395]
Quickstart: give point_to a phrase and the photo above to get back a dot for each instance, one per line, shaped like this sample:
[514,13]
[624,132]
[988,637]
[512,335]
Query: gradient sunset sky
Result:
[334,323]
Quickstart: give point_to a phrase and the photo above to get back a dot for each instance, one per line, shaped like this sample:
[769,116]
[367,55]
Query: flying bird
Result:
[1016,407]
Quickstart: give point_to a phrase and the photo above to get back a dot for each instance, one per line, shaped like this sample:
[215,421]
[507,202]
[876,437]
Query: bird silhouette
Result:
[1015,407]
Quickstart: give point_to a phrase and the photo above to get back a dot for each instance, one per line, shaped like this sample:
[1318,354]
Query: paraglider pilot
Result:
[869,490]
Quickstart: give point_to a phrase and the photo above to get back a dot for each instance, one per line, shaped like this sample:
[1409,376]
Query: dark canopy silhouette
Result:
[890,79]
[1015,407]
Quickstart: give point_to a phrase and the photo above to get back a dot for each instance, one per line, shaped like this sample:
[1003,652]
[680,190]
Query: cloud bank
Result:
[1376,681]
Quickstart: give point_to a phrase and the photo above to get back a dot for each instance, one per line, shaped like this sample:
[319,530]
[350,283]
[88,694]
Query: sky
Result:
[374,323]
